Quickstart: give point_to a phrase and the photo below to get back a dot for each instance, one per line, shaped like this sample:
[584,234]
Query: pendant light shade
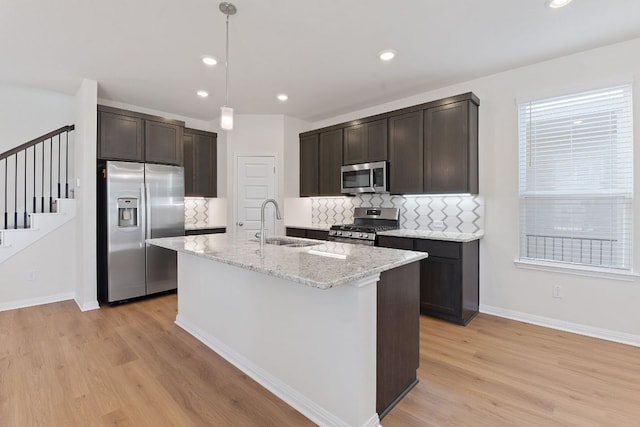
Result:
[226,118]
[226,112]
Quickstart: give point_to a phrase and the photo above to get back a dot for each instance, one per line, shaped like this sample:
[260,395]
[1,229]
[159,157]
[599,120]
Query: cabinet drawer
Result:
[395,242]
[438,248]
[296,232]
[317,234]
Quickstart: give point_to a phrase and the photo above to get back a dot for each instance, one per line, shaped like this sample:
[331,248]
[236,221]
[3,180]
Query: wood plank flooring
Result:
[130,365]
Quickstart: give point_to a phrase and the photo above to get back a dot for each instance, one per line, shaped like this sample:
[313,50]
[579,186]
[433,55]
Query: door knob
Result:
[240,224]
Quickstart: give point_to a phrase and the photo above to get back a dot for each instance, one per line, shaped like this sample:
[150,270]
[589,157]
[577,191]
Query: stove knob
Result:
[338,233]
[363,235]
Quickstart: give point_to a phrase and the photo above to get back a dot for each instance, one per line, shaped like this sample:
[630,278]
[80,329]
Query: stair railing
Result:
[29,172]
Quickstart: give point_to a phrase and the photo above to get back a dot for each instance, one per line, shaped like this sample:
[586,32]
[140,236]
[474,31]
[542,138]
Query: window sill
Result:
[578,270]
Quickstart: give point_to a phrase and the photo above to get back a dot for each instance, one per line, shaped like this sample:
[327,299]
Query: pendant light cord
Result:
[226,95]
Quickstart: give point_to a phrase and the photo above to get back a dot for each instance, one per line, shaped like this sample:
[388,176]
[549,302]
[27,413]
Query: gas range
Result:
[367,222]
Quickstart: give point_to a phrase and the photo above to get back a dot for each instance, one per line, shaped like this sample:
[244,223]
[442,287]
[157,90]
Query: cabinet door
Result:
[447,156]
[395,242]
[189,167]
[163,143]
[366,142]
[406,157]
[440,287]
[309,165]
[355,144]
[377,141]
[330,162]
[205,161]
[120,137]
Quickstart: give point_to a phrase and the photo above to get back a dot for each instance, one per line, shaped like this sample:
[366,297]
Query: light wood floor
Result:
[132,366]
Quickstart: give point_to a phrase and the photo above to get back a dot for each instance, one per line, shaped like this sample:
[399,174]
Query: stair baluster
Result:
[18,185]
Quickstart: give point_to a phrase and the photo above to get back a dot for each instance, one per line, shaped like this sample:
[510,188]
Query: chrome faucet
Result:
[264,204]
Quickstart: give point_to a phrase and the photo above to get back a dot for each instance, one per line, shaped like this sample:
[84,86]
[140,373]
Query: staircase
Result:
[34,190]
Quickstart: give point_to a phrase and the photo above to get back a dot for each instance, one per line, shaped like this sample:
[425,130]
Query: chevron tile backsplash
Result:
[456,213]
[196,211]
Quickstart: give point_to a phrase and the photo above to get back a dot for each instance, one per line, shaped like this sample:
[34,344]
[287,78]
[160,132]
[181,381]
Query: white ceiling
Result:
[322,53]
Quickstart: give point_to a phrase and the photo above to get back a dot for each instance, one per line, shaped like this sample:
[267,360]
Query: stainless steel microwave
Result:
[365,178]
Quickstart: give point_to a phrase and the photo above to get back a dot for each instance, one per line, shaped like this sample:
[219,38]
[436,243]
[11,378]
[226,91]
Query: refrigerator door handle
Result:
[143,214]
[147,208]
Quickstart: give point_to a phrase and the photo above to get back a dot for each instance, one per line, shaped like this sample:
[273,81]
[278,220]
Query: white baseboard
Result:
[89,305]
[292,397]
[30,302]
[576,328]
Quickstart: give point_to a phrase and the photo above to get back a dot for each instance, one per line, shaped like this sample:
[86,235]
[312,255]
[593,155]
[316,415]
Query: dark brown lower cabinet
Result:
[398,335]
[199,231]
[307,233]
[449,278]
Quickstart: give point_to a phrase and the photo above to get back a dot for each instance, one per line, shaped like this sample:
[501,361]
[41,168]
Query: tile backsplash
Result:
[196,211]
[451,213]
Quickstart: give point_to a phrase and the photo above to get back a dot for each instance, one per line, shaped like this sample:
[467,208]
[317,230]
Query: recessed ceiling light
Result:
[209,60]
[283,97]
[202,93]
[387,55]
[555,4]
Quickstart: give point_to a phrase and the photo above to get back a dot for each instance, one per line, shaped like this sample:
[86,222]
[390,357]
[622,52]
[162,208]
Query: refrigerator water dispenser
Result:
[127,212]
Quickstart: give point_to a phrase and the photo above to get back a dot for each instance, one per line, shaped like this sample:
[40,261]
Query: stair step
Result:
[13,240]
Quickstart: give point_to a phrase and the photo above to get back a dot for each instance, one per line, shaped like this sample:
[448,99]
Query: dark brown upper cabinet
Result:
[200,163]
[365,142]
[309,165]
[120,137]
[163,143]
[330,162]
[431,148]
[451,148]
[138,137]
[406,153]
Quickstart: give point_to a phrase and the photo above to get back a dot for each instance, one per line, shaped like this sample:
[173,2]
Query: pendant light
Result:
[226,112]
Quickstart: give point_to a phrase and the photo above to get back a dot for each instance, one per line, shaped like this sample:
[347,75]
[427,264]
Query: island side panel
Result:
[398,332]
[315,349]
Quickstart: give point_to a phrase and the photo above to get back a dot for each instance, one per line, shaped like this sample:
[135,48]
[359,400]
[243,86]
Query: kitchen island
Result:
[330,328]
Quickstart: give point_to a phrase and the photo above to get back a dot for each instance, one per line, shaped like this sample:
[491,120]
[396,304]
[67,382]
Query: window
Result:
[576,179]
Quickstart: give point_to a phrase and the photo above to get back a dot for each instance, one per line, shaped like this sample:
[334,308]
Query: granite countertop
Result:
[433,235]
[332,264]
[321,227]
[412,234]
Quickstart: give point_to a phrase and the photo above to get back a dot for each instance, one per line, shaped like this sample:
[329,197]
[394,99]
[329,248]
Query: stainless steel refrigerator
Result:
[137,201]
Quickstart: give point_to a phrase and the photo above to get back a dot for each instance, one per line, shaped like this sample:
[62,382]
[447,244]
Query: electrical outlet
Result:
[557,291]
[438,225]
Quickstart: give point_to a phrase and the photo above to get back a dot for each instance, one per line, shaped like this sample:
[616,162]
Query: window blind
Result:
[576,178]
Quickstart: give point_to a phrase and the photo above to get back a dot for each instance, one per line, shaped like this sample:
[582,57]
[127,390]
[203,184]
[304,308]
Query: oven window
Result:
[355,179]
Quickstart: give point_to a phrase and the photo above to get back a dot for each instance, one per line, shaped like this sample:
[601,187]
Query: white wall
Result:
[590,305]
[86,112]
[44,272]
[27,113]
[254,135]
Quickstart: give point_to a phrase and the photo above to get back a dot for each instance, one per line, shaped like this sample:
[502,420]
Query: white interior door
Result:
[256,181]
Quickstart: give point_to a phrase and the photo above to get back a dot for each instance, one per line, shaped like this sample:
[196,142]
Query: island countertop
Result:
[323,265]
